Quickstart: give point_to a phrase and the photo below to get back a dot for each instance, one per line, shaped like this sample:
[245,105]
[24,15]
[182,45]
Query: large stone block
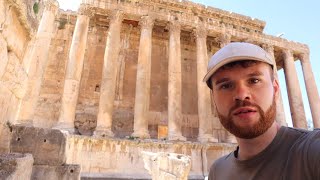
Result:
[5,137]
[63,172]
[46,145]
[3,53]
[16,166]
[15,77]
[166,166]
[14,32]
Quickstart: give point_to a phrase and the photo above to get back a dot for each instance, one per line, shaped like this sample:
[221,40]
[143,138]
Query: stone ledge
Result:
[67,172]
[16,166]
[46,145]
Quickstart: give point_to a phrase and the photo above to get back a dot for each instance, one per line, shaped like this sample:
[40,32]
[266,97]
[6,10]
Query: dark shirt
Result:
[293,154]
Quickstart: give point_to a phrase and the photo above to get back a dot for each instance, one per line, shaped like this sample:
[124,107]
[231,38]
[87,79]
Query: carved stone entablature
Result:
[269,48]
[223,39]
[86,10]
[51,5]
[116,16]
[147,22]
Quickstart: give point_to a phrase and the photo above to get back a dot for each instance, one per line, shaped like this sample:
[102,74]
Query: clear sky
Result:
[298,20]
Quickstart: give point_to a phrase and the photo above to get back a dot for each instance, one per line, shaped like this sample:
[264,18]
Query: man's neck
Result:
[251,147]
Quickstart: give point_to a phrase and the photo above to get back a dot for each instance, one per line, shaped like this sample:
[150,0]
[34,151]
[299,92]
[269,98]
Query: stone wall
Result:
[17,26]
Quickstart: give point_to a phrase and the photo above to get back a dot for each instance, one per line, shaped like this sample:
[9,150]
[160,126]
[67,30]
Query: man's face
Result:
[245,99]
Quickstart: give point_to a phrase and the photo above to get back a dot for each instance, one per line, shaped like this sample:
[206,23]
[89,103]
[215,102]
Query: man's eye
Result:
[225,86]
[254,80]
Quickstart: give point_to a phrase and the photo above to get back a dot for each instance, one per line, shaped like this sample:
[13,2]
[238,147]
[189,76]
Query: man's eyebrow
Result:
[256,73]
[222,80]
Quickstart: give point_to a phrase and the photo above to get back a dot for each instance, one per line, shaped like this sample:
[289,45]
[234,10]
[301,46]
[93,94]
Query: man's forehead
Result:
[254,69]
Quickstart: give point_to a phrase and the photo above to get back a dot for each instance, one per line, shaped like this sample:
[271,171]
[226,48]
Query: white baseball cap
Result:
[236,51]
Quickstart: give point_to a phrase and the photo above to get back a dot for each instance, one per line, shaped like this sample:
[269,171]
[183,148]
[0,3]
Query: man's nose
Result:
[242,92]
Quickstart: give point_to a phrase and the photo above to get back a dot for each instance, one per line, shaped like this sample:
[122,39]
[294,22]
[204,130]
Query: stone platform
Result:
[105,158]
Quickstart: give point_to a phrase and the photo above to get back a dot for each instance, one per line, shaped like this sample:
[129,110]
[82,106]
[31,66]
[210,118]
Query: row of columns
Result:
[107,92]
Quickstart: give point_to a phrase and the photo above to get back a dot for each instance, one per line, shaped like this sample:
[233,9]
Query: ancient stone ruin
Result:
[83,93]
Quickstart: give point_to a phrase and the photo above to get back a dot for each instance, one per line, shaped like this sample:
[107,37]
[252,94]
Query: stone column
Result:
[280,116]
[312,91]
[294,92]
[37,63]
[223,40]
[174,84]
[142,97]
[74,71]
[204,100]
[109,74]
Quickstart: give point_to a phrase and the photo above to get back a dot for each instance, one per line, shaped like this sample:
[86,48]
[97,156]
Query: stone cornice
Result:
[186,9]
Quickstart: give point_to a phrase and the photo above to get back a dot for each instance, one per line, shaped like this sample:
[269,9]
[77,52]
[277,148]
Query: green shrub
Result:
[36,8]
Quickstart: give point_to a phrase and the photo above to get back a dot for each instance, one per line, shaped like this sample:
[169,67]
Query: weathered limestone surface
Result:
[122,158]
[48,146]
[74,71]
[3,55]
[15,34]
[168,166]
[174,83]
[63,172]
[37,63]
[109,74]
[142,97]
[204,100]
[294,92]
[312,91]
[16,166]
[15,77]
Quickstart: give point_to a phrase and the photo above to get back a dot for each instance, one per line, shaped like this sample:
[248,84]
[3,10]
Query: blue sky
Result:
[298,20]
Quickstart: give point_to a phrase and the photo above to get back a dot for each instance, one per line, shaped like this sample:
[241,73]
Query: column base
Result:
[207,138]
[62,126]
[176,137]
[141,135]
[103,133]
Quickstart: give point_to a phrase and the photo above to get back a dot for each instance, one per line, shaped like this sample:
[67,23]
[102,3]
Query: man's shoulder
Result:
[222,162]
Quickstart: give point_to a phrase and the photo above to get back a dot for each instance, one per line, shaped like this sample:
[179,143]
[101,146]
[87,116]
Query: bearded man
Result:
[245,92]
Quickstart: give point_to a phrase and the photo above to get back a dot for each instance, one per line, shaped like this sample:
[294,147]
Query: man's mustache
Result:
[242,103]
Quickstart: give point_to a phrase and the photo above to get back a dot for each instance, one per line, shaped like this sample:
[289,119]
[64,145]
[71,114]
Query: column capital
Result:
[286,53]
[146,22]
[116,16]
[223,39]
[51,5]
[86,11]
[304,57]
[174,27]
[200,32]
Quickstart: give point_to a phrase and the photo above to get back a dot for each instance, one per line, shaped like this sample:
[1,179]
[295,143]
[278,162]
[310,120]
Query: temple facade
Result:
[117,70]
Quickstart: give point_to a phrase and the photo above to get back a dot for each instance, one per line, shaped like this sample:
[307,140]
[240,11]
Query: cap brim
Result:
[229,60]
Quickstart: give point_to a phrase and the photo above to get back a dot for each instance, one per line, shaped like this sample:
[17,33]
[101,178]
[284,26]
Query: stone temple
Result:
[83,93]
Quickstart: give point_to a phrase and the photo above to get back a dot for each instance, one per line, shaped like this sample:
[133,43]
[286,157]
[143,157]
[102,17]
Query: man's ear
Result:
[276,87]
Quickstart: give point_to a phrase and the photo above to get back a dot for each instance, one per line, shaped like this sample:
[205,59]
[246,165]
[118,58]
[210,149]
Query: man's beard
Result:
[266,120]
